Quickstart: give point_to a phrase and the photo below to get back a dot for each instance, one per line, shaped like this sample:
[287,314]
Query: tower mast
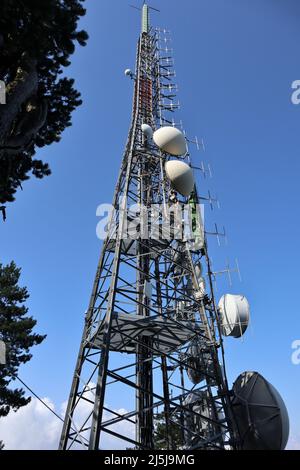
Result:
[149,370]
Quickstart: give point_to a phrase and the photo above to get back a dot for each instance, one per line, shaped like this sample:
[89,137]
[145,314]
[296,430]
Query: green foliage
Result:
[160,436]
[16,331]
[37,38]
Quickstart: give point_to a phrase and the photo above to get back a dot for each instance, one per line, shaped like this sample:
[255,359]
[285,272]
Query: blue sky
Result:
[235,62]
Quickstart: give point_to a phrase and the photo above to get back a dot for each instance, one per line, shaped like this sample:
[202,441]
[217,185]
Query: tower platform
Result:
[167,334]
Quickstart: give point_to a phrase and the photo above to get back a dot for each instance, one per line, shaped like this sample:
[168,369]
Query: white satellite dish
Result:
[181,176]
[235,315]
[260,413]
[128,73]
[170,140]
[147,131]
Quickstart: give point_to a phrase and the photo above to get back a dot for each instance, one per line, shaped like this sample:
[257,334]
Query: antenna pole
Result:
[145,19]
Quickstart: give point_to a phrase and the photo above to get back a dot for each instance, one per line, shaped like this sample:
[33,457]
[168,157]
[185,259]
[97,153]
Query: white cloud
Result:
[34,427]
[31,427]
[293,442]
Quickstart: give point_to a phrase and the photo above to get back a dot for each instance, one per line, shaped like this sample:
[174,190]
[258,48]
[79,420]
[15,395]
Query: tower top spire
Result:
[145,18]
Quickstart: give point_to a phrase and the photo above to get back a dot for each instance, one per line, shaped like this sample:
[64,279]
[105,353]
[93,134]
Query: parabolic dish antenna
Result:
[170,140]
[181,176]
[235,314]
[260,413]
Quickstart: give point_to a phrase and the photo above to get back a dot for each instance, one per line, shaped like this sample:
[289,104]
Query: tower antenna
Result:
[150,369]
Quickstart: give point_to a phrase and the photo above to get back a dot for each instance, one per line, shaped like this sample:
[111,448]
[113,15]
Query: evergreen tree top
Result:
[37,39]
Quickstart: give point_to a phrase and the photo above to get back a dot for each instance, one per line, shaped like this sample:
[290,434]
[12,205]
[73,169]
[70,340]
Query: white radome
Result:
[181,176]
[147,131]
[235,314]
[170,140]
[127,72]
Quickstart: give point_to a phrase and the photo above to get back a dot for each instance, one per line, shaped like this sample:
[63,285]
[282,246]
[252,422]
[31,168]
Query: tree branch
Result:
[26,129]
[17,93]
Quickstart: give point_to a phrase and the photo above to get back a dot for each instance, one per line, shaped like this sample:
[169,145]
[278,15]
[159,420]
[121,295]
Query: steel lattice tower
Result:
[149,320]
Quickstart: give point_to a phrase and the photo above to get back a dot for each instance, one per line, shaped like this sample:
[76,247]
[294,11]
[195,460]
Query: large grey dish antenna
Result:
[260,413]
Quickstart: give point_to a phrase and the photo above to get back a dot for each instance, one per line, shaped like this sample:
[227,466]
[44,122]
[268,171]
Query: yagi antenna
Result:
[204,171]
[200,145]
[195,142]
[211,200]
[176,124]
[218,234]
[228,270]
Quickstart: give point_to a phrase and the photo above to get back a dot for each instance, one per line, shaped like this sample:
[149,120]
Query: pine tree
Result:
[37,39]
[16,331]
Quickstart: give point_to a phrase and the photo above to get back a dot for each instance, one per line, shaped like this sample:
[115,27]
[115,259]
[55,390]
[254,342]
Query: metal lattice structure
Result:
[150,370]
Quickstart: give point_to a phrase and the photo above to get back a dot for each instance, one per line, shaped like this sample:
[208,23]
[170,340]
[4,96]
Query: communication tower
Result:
[150,370]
